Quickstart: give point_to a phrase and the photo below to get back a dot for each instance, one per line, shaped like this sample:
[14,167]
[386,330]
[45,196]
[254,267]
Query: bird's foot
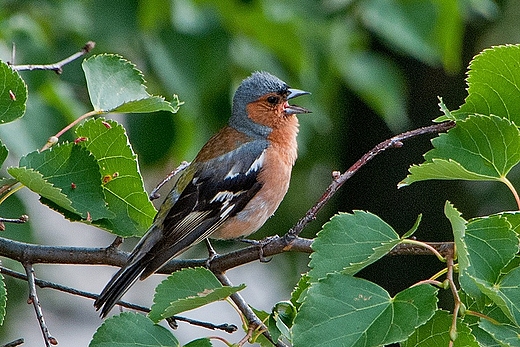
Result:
[261,244]
[212,254]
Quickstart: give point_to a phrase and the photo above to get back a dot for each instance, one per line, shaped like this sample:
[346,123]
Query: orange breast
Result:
[275,177]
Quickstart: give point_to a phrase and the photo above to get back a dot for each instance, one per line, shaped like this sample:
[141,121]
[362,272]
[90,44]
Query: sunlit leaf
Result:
[122,183]
[75,172]
[37,183]
[478,148]
[115,85]
[494,84]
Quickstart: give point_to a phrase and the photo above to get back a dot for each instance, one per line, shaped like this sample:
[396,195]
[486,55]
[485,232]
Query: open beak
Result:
[294,109]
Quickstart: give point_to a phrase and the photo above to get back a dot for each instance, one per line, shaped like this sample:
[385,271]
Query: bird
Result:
[235,183]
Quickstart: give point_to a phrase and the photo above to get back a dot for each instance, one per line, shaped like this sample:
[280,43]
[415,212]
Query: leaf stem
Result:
[512,189]
[427,246]
[439,274]
[53,139]
[11,192]
[481,315]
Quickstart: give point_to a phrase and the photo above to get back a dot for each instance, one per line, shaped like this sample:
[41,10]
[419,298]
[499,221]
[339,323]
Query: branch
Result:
[41,254]
[394,142]
[14,343]
[47,284]
[31,254]
[154,194]
[254,323]
[33,299]
[56,67]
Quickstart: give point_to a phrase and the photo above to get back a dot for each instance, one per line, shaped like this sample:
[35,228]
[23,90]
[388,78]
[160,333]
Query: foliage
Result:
[93,176]
[95,180]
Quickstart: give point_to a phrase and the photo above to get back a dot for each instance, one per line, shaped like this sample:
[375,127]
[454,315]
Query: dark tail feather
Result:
[117,286]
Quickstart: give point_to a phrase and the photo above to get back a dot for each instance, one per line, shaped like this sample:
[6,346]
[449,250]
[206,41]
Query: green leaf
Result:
[350,242]
[440,169]
[122,183]
[436,332]
[490,310]
[478,148]
[75,171]
[513,218]
[447,113]
[341,310]
[282,317]
[13,94]
[413,229]
[203,342]
[132,329]
[491,245]
[494,84]
[298,293]
[458,226]
[3,299]
[271,327]
[3,153]
[116,85]
[38,184]
[186,290]
[505,334]
[505,294]
[485,247]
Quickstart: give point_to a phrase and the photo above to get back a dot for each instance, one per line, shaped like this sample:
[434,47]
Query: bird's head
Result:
[260,104]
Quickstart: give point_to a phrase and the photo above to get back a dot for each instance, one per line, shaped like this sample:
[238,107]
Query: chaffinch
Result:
[234,184]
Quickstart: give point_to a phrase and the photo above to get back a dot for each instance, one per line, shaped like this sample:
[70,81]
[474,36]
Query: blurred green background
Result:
[375,68]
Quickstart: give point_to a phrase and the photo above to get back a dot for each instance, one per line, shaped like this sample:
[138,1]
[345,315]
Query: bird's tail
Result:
[118,285]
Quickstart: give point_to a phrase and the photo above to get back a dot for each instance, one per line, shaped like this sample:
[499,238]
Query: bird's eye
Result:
[273,100]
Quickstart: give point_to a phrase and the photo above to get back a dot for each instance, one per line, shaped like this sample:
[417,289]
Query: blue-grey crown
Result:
[252,88]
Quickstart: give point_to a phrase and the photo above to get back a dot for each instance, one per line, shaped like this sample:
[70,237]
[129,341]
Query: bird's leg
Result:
[260,244]
[212,254]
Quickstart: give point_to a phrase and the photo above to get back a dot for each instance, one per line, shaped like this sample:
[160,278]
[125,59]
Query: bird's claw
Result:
[212,254]
[261,244]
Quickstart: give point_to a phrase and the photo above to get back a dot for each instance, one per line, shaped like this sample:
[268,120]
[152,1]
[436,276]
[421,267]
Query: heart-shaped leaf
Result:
[341,310]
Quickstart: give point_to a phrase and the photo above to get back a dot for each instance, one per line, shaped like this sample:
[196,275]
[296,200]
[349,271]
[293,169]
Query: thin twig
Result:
[20,220]
[54,139]
[154,193]
[56,67]
[254,322]
[229,328]
[394,142]
[14,343]
[33,299]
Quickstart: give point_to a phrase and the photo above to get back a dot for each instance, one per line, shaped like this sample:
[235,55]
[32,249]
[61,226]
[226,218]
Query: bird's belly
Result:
[262,205]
